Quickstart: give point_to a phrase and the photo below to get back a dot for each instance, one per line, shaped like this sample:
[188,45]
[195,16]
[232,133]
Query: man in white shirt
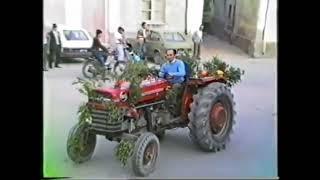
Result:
[121,43]
[197,40]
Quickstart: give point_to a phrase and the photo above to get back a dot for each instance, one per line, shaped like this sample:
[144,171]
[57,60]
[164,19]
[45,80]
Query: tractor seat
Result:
[188,71]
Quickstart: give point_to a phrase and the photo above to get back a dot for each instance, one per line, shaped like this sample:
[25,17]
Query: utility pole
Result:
[186,19]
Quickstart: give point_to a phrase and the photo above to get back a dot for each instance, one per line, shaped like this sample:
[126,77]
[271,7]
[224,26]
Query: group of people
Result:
[100,51]
[174,70]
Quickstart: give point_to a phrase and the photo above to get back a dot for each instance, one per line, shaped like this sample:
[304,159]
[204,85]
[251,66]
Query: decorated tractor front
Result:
[139,108]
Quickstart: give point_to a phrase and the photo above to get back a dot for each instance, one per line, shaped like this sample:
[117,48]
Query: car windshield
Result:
[173,37]
[75,35]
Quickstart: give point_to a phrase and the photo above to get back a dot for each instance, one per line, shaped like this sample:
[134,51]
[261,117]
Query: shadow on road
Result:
[72,60]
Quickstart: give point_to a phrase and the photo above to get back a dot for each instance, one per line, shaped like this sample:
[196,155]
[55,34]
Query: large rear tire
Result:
[145,154]
[81,143]
[212,117]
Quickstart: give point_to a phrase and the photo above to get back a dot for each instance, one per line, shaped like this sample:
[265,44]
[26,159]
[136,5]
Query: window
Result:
[75,35]
[153,10]
[155,36]
[208,5]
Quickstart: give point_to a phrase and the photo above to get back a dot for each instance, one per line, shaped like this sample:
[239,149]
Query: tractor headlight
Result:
[123,96]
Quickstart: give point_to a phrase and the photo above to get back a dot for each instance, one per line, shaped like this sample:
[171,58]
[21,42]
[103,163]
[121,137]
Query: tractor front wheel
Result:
[81,143]
[212,117]
[145,154]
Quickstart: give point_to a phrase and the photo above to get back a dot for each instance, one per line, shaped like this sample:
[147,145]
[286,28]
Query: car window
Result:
[168,36]
[178,37]
[173,37]
[155,36]
[75,35]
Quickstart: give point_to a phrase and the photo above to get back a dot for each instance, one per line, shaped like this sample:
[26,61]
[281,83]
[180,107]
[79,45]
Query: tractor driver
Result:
[174,70]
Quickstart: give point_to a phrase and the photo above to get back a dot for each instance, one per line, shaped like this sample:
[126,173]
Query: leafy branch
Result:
[124,151]
[134,73]
[232,74]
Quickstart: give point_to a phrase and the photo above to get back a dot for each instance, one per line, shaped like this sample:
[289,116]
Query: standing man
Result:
[197,40]
[54,47]
[141,38]
[44,52]
[121,43]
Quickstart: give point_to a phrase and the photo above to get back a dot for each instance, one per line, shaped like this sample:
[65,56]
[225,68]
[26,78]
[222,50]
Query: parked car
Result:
[75,41]
[157,43]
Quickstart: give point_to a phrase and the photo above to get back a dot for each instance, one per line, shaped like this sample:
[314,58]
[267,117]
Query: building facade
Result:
[248,24]
[108,15]
[162,15]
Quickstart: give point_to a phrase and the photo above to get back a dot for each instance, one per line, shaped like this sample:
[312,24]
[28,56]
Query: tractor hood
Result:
[114,94]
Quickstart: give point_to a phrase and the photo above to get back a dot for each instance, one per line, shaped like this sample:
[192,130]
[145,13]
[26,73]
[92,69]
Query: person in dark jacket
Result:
[97,47]
[54,47]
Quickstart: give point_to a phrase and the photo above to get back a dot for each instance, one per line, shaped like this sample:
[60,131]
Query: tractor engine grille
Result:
[100,122]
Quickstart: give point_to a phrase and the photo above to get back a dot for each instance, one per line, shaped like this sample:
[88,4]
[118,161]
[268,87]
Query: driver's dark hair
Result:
[98,31]
[143,23]
[174,51]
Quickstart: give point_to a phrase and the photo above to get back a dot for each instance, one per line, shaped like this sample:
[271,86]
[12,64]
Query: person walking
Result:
[197,40]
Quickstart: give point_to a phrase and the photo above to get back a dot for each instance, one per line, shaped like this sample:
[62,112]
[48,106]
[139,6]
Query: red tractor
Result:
[207,109]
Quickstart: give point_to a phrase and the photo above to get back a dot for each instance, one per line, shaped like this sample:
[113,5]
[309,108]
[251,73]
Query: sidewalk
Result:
[213,46]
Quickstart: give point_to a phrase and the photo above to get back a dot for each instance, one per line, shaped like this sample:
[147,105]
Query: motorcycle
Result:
[92,68]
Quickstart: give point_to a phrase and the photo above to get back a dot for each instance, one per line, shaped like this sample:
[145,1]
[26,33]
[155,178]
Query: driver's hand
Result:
[169,76]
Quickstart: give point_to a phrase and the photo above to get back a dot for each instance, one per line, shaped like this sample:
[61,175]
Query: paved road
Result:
[251,153]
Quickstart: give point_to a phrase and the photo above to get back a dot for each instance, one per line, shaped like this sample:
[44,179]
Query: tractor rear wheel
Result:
[212,117]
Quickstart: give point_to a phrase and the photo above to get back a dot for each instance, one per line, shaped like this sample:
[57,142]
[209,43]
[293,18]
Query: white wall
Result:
[53,12]
[261,15]
[114,15]
[94,16]
[174,15]
[73,11]
[271,26]
[195,11]
[130,17]
[271,20]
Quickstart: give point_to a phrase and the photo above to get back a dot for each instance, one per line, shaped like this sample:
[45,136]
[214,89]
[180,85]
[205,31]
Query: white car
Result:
[76,42]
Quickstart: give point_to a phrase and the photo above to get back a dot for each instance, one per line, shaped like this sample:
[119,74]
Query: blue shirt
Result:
[175,69]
